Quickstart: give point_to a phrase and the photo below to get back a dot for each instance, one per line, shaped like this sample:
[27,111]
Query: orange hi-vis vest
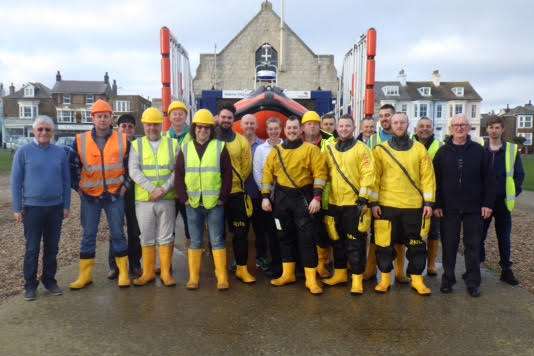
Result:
[102,171]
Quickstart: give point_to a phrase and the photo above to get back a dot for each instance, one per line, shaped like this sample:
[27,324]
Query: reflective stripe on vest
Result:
[102,170]
[203,179]
[375,139]
[509,162]
[157,167]
[434,147]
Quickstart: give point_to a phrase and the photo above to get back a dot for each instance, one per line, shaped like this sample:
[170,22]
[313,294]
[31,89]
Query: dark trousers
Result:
[352,244]
[180,208]
[434,229]
[503,230]
[133,232]
[291,214]
[322,238]
[404,227]
[235,214]
[451,224]
[41,222]
[260,229]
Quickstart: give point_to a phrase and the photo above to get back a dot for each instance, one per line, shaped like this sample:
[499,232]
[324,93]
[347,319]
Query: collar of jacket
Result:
[108,134]
[468,142]
[226,135]
[325,135]
[292,144]
[427,143]
[345,145]
[402,143]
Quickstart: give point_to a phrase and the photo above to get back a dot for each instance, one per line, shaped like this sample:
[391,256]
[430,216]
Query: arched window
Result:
[266,57]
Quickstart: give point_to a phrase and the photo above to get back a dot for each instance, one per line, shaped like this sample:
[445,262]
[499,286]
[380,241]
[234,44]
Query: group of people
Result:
[322,201]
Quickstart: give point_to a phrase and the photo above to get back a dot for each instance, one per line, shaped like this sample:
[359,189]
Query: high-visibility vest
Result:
[156,167]
[102,171]
[434,147]
[203,179]
[375,139]
[509,162]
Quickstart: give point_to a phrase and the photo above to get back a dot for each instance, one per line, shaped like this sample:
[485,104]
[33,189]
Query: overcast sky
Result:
[489,43]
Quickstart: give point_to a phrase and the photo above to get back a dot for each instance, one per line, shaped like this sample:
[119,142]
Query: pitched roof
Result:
[522,110]
[410,92]
[267,7]
[80,87]
[42,92]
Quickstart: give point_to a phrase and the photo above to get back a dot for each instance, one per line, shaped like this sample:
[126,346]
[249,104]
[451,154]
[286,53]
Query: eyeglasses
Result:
[457,126]
[41,129]
[200,127]
[127,126]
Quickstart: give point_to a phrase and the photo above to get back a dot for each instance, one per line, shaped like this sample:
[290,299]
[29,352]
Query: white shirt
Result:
[258,162]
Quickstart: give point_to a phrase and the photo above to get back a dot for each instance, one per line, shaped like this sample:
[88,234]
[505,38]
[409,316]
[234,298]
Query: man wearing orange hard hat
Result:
[101,183]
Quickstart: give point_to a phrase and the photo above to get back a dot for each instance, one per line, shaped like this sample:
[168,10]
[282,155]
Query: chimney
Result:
[11,89]
[436,78]
[58,76]
[106,78]
[529,103]
[507,108]
[402,77]
[2,90]
[114,88]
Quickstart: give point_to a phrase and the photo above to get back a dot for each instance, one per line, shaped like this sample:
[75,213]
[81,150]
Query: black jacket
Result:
[497,159]
[465,178]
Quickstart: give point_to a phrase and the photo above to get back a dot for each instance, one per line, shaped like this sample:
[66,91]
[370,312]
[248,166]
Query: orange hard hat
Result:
[101,106]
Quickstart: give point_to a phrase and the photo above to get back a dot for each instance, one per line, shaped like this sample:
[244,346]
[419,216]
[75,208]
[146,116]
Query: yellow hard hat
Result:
[152,116]
[204,117]
[310,116]
[175,105]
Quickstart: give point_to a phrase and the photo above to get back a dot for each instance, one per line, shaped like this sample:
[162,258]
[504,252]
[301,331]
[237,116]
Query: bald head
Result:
[248,125]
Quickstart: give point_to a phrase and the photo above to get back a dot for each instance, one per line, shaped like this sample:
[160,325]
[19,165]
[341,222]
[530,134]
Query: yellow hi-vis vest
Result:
[509,162]
[434,147]
[203,179]
[157,167]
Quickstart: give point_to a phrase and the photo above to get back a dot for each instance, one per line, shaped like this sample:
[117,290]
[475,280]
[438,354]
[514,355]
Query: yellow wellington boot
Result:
[357,284]
[149,266]
[165,258]
[194,259]
[433,248]
[288,275]
[400,274]
[122,264]
[339,277]
[221,269]
[370,267]
[242,274]
[323,255]
[419,285]
[311,281]
[86,274]
[384,284]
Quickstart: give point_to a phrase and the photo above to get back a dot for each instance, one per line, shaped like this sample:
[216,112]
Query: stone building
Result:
[264,46]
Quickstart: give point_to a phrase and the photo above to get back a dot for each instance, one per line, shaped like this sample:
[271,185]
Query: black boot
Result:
[508,276]
[445,287]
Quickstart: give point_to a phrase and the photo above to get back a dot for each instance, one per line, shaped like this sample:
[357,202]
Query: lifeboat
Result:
[266,102]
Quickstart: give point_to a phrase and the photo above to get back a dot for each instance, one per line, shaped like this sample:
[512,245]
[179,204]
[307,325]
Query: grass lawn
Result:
[5,161]
[528,164]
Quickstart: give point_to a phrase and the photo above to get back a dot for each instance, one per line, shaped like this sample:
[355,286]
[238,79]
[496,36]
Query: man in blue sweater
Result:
[40,187]
[510,174]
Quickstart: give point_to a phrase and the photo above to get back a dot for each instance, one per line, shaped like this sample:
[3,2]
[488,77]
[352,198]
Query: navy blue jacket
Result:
[465,180]
[498,161]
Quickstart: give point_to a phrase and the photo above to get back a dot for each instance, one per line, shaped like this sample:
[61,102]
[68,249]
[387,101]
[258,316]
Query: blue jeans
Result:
[90,218]
[503,229]
[41,222]
[198,217]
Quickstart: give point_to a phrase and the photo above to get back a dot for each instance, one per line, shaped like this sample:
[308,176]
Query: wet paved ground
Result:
[260,319]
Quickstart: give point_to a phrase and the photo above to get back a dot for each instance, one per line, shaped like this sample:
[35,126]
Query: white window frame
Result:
[29,91]
[122,106]
[524,121]
[425,91]
[439,111]
[34,110]
[86,117]
[391,90]
[528,136]
[65,101]
[63,119]
[456,106]
[89,102]
[458,91]
[426,109]
[473,111]
[404,108]
[415,110]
